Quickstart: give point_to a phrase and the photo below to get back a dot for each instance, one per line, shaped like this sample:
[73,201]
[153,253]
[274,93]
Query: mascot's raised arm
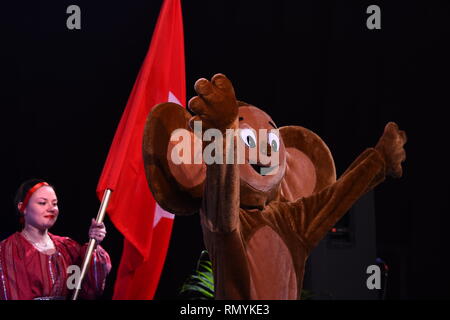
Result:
[266,195]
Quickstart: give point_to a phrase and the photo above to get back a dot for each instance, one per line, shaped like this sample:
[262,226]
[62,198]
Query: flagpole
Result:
[92,242]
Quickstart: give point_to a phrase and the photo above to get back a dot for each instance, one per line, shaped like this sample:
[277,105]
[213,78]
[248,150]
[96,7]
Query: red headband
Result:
[29,193]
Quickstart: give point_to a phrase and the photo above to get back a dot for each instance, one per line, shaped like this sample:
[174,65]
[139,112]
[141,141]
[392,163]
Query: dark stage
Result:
[308,63]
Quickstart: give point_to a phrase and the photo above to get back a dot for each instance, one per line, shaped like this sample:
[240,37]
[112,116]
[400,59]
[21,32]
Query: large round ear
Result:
[309,163]
[177,187]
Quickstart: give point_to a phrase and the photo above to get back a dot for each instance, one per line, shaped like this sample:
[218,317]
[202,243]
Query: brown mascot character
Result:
[260,221]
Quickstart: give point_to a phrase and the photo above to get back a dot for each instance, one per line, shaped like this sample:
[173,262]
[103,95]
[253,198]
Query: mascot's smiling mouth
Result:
[262,169]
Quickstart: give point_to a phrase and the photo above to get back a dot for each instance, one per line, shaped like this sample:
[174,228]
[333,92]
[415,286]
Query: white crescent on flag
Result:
[173,99]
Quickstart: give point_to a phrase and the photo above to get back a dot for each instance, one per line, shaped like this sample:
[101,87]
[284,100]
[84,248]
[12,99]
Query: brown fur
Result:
[259,229]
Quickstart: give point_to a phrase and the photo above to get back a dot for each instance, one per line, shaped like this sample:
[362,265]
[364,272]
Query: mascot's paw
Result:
[216,104]
[390,146]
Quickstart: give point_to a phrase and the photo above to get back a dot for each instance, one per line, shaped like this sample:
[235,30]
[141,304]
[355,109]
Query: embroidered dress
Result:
[27,273]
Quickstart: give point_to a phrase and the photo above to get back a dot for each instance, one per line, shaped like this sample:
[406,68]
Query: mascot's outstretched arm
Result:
[216,107]
[318,213]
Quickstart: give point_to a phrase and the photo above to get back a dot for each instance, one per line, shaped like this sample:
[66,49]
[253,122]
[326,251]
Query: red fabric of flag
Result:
[146,227]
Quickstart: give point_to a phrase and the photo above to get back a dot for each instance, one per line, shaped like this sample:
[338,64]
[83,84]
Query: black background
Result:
[309,63]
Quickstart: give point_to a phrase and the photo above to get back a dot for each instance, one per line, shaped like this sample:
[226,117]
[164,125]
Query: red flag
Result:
[146,227]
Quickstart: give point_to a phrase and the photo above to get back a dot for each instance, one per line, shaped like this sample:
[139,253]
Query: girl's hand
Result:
[97,231]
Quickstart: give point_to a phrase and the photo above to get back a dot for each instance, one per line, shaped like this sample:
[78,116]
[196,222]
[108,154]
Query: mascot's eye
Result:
[249,138]
[274,141]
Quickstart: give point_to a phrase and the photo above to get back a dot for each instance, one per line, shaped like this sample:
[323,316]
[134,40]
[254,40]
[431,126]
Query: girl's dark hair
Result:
[21,194]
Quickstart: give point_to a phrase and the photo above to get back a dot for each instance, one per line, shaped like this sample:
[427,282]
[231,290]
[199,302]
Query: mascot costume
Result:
[258,228]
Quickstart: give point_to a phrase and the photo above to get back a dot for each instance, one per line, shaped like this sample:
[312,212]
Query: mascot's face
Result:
[264,173]
[303,162]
